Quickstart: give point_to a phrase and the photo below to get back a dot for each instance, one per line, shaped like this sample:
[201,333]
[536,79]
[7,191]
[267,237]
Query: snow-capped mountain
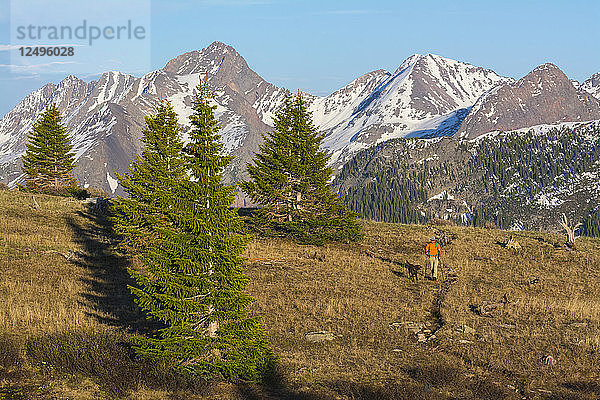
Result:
[544,96]
[105,117]
[426,96]
[592,85]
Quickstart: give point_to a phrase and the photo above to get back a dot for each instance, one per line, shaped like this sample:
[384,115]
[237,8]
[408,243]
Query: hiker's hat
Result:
[432,239]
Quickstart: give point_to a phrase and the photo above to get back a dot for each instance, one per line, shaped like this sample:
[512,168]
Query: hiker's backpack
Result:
[433,249]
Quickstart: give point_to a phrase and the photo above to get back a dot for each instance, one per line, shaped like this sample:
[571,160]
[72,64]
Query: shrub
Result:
[10,352]
[490,225]
[78,193]
[108,358]
[104,356]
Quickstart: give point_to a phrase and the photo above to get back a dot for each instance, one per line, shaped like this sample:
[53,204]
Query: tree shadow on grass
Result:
[107,296]
[278,387]
[584,387]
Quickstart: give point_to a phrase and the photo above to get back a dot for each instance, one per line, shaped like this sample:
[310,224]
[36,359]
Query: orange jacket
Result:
[432,249]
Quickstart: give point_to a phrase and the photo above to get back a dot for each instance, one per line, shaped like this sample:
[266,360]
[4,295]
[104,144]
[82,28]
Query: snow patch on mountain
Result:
[444,125]
[536,129]
[112,182]
[182,99]
[547,200]
[233,134]
[444,195]
[267,106]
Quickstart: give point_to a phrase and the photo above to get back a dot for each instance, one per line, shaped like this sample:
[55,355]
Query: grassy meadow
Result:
[498,324]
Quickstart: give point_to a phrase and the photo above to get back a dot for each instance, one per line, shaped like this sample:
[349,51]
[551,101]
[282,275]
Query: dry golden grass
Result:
[341,289]
[61,310]
[39,287]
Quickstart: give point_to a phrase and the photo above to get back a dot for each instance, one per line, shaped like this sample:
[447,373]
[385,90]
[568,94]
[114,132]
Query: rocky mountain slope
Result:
[105,117]
[427,96]
[544,96]
[592,85]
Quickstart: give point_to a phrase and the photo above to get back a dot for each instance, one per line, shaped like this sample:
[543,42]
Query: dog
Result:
[413,271]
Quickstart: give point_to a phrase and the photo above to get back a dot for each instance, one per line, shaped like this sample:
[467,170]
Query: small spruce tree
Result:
[290,180]
[150,182]
[48,160]
[179,221]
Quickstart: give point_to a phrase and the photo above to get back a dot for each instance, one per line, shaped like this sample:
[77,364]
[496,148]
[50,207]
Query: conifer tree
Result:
[192,279]
[150,182]
[290,180]
[48,161]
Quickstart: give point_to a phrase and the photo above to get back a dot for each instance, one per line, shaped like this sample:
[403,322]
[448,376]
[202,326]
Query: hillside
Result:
[67,318]
[522,179]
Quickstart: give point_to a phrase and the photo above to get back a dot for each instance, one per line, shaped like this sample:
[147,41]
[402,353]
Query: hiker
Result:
[432,251]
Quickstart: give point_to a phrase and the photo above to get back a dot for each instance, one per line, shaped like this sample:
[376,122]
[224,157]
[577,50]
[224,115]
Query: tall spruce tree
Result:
[48,160]
[191,278]
[290,180]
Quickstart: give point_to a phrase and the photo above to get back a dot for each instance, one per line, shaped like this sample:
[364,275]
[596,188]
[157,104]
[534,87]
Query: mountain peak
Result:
[220,49]
[545,74]
[198,61]
[436,57]
[546,67]
[592,85]
[70,80]
[409,62]
[216,45]
[435,61]
[543,96]
[371,75]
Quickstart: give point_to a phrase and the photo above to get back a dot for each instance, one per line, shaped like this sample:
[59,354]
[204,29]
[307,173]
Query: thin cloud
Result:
[34,75]
[34,67]
[348,12]
[234,2]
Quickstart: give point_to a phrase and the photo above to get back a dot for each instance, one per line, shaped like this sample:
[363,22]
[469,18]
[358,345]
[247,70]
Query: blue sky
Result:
[318,46]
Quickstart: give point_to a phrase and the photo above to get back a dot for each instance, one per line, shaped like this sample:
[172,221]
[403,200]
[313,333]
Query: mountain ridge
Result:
[545,95]
[426,96]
